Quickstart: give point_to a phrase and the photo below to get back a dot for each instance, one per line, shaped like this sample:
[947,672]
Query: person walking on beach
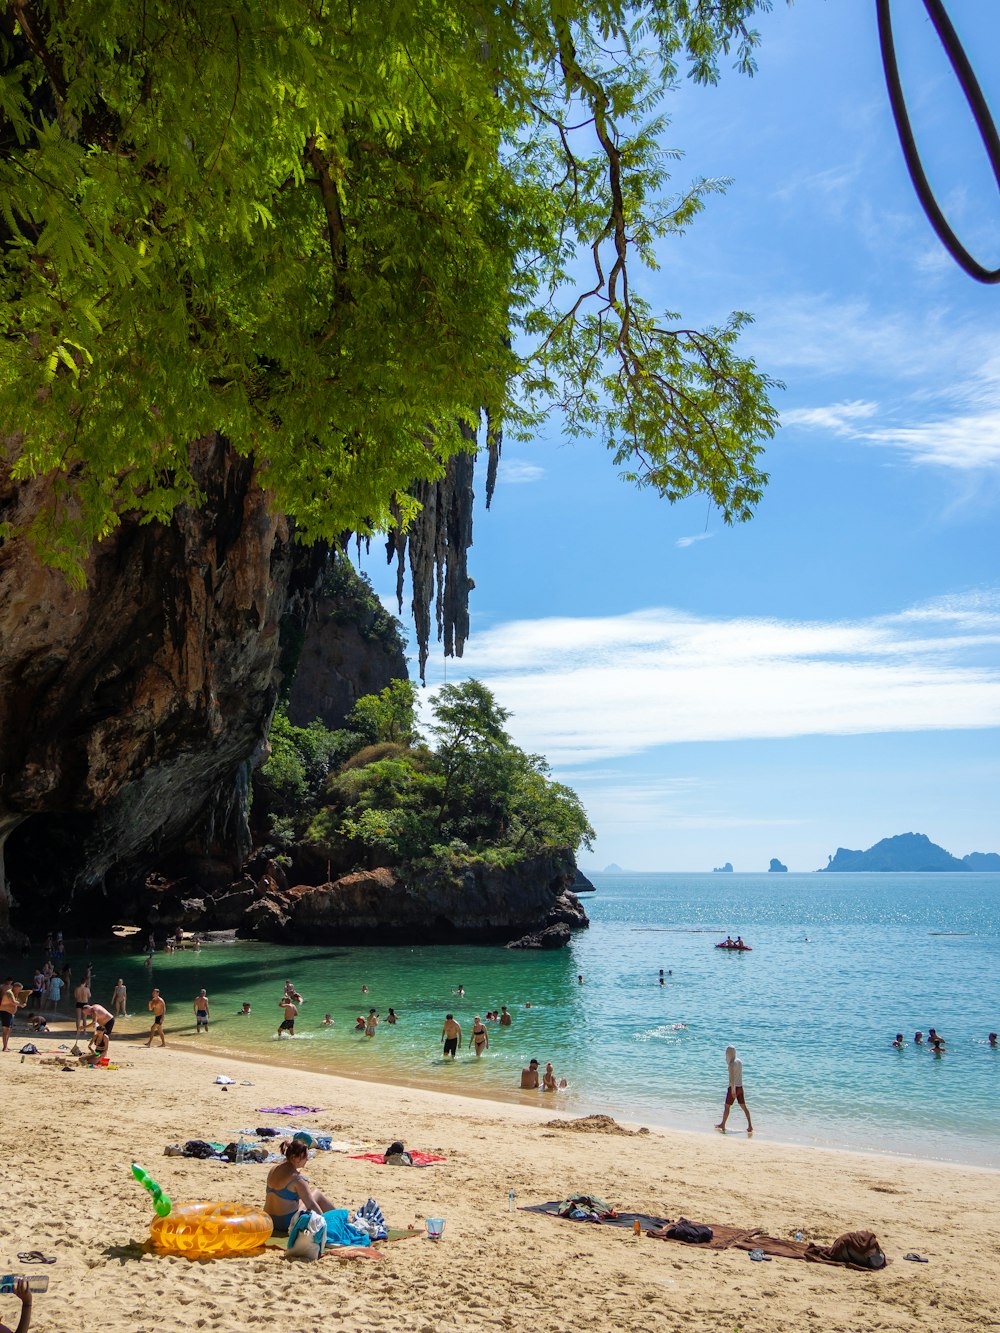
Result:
[119,998]
[10,1002]
[158,1008]
[287,1024]
[451,1035]
[82,996]
[200,1012]
[734,1093]
[479,1038]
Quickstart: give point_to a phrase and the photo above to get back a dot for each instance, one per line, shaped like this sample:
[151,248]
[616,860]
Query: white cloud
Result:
[690,541]
[965,442]
[841,418]
[590,690]
[516,471]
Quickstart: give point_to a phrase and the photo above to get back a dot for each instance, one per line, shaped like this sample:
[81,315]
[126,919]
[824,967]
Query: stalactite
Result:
[437,544]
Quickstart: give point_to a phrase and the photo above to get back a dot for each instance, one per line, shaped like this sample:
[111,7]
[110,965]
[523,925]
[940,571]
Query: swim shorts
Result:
[109,1026]
[735,1097]
[287,1025]
[451,1045]
[5,1019]
[157,1020]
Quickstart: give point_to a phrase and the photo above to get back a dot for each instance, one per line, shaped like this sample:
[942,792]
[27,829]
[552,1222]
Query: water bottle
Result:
[240,1150]
[511,1196]
[37,1282]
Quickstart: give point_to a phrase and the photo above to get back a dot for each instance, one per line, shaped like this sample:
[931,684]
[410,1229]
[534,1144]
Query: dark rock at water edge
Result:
[581,884]
[776,867]
[552,937]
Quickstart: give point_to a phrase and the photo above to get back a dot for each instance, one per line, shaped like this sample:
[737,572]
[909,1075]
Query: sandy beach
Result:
[71,1138]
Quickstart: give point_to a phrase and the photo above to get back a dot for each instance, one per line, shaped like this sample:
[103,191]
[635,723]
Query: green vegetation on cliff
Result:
[336,234]
[376,795]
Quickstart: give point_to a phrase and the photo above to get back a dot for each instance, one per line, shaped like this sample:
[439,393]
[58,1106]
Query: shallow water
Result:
[839,965]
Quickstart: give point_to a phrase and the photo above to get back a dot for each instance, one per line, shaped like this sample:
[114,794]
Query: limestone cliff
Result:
[132,708]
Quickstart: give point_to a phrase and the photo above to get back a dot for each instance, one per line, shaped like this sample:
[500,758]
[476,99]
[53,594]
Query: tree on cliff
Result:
[342,235]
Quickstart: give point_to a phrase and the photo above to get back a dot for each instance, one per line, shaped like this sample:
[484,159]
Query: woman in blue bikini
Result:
[288,1190]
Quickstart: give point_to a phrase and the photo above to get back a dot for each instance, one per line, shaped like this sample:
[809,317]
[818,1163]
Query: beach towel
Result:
[289,1110]
[419,1158]
[610,1218]
[369,1219]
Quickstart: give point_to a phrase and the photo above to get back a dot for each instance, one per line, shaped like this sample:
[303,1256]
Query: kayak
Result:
[738,948]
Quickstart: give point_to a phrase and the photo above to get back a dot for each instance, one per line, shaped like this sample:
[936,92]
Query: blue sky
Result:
[829,673]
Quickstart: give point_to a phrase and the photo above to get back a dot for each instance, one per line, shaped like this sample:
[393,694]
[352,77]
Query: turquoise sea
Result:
[840,963]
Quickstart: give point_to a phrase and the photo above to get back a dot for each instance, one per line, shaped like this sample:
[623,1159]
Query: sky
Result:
[828,674]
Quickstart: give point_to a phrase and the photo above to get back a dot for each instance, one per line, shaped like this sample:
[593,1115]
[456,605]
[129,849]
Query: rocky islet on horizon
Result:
[912,852]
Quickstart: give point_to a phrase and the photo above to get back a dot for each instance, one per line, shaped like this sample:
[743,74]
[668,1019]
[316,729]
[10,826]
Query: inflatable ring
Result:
[210,1230]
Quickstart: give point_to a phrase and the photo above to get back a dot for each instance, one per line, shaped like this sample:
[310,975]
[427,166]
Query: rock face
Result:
[776,868]
[727,869]
[982,861]
[350,647]
[913,852]
[132,709]
[482,905]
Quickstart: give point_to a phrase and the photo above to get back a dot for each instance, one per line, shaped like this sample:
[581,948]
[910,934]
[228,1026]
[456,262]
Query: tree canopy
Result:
[342,235]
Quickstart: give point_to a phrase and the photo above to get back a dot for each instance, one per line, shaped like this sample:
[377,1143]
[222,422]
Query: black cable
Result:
[977,104]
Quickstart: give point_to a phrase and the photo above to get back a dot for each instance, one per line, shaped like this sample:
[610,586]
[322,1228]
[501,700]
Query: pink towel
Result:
[419,1158]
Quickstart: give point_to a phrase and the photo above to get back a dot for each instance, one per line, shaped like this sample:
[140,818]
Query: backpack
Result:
[307,1236]
[691,1232]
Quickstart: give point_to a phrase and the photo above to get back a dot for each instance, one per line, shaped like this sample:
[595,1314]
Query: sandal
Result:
[34,1257]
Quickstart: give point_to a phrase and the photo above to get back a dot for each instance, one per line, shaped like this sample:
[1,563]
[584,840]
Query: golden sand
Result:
[69,1139]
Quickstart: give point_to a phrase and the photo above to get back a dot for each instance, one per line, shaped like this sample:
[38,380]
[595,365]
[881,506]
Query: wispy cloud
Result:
[841,418]
[517,471]
[690,541]
[589,690]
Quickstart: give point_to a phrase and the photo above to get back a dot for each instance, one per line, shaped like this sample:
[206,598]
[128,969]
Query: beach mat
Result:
[723,1237]
[419,1158]
[395,1233]
[626,1220]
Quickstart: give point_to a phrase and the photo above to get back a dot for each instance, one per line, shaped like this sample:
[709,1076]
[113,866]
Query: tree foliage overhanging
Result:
[374,794]
[335,232]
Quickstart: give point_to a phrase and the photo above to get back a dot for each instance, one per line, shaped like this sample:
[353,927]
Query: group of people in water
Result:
[935,1041]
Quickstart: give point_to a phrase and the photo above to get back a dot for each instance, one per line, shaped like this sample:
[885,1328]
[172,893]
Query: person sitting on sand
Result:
[38,1023]
[529,1076]
[505,1018]
[734,1093]
[23,1293]
[288,1190]
[99,1045]
[327,1021]
[479,1038]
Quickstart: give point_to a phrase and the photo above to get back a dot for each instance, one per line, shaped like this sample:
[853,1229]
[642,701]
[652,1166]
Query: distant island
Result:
[613,869]
[727,869]
[776,867]
[912,852]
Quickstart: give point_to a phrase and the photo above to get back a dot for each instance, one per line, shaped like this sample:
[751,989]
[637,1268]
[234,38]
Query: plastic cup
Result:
[435,1226]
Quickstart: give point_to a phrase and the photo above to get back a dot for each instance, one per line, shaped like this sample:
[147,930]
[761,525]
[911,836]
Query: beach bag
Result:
[370,1220]
[860,1249]
[29,1049]
[693,1233]
[307,1236]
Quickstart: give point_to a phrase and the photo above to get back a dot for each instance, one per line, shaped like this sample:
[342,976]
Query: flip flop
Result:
[758,1256]
[34,1257]
[916,1258]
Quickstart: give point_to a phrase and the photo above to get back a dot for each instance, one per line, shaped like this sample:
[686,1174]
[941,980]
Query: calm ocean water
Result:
[839,965]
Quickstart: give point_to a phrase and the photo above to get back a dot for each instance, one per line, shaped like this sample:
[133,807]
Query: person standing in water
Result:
[372,1023]
[505,1018]
[200,1007]
[451,1035]
[119,999]
[287,1024]
[479,1038]
[734,1093]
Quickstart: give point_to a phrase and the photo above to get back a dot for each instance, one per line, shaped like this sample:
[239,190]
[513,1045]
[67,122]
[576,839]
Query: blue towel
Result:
[339,1230]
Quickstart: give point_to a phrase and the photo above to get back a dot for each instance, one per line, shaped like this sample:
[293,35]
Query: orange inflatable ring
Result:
[210,1230]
